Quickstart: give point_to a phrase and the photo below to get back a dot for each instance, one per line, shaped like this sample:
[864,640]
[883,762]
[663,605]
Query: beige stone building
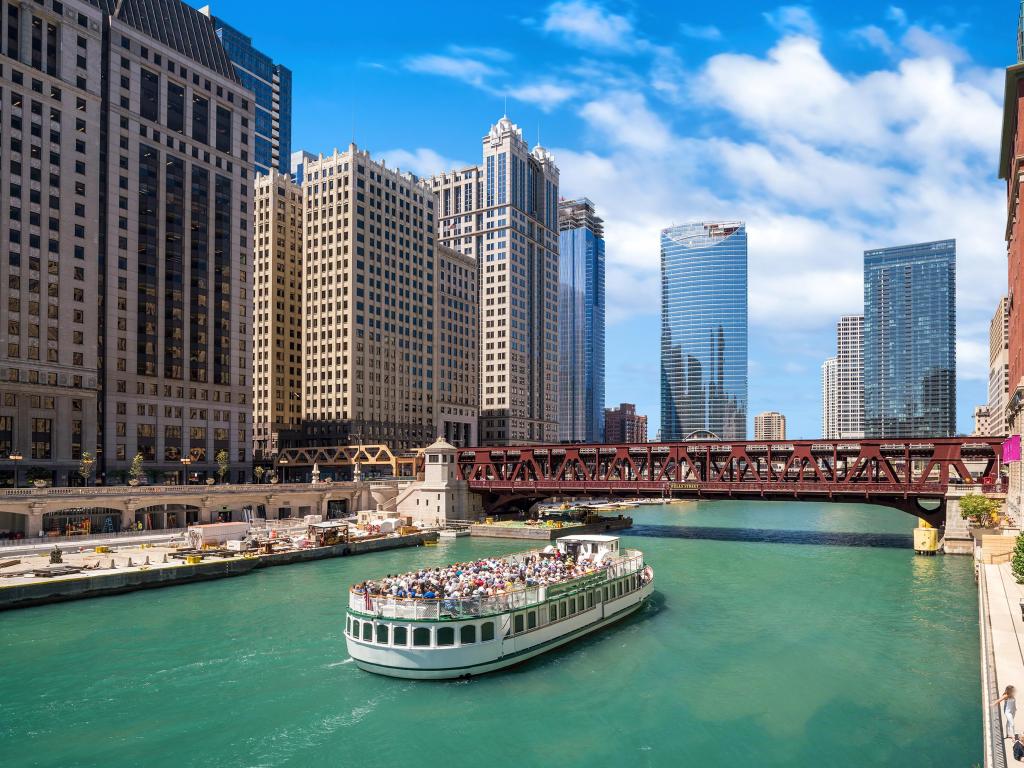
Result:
[504,213]
[999,369]
[277,337]
[770,425]
[457,346]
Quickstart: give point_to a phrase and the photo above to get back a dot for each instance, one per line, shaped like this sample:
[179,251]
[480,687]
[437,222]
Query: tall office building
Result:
[504,213]
[770,425]
[272,85]
[999,368]
[375,352]
[704,330]
[849,393]
[910,341]
[829,400]
[129,153]
[624,425]
[581,297]
[277,316]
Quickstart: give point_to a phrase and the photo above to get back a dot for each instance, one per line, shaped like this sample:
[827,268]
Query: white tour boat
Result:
[429,637]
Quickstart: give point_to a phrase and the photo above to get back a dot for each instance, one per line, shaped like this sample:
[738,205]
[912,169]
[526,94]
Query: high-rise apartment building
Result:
[999,368]
[504,213]
[850,377]
[982,421]
[624,425]
[910,341]
[704,330]
[382,360]
[770,425]
[125,224]
[272,86]
[277,317]
[581,299]
[829,400]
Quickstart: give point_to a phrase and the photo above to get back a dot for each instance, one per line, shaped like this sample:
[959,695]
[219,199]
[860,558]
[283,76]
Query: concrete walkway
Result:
[1005,632]
[88,542]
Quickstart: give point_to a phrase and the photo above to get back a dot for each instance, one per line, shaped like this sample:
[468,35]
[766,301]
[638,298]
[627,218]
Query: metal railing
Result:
[163,490]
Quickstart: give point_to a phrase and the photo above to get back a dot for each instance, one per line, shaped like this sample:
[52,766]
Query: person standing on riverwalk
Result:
[1009,709]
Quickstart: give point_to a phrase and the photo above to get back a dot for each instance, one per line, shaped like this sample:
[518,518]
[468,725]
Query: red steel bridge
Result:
[912,475]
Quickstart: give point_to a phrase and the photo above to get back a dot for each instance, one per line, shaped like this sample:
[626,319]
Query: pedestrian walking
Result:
[1008,706]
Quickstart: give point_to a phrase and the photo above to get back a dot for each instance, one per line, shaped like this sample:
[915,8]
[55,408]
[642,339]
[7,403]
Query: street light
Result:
[15,457]
[184,471]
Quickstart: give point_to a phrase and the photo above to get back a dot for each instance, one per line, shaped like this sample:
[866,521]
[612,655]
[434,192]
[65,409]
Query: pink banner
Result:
[1011,449]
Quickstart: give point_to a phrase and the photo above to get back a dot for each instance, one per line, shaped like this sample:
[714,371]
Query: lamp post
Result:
[185,461]
[15,457]
[282,461]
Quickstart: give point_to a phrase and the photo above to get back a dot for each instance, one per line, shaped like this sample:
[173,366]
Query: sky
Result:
[828,128]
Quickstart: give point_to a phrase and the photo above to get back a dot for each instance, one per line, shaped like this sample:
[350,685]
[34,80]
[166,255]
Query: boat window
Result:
[517,623]
[486,631]
[421,636]
[355,629]
[552,612]
[367,630]
[606,594]
[561,610]
[620,589]
[572,606]
[590,599]
[348,625]
[446,636]
[467,634]
[531,619]
[382,634]
[400,636]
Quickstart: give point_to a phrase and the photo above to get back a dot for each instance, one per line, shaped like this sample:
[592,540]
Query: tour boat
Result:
[440,637]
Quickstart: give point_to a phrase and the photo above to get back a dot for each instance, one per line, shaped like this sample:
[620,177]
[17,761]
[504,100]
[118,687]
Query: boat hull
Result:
[506,653]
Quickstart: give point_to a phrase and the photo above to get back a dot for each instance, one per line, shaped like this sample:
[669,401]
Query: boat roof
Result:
[597,538]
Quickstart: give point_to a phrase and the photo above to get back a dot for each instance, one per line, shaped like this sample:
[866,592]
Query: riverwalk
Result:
[1002,654]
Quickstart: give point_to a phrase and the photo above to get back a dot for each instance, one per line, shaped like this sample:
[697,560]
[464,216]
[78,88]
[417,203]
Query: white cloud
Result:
[700,32]
[793,20]
[468,70]
[587,24]
[421,161]
[874,37]
[624,119]
[480,52]
[896,15]
[545,95]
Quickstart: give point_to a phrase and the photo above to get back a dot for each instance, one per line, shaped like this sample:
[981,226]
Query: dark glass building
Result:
[580,322]
[272,84]
[704,330]
[910,340]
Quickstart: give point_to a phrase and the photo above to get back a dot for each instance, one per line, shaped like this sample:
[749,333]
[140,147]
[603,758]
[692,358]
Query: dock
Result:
[517,529]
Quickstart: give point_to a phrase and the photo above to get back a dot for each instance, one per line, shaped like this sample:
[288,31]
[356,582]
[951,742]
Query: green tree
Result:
[1017,563]
[85,466]
[259,472]
[137,472]
[979,509]
[223,463]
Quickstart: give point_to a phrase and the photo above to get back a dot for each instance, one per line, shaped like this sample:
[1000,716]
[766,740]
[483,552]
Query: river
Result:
[781,634]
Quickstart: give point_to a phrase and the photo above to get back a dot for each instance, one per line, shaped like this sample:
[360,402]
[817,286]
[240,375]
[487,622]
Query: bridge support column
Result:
[957,539]
[34,521]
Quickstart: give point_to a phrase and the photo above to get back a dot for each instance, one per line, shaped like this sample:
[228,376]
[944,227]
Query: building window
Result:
[149,96]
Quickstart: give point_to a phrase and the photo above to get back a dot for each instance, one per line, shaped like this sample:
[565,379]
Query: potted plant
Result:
[259,472]
[38,476]
[210,481]
[85,467]
[136,473]
[223,463]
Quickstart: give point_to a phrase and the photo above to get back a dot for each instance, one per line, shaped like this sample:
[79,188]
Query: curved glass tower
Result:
[704,330]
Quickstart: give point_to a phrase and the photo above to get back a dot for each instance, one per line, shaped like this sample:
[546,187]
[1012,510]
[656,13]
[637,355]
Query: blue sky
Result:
[829,128]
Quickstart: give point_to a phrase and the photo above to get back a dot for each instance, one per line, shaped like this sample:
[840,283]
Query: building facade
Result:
[982,421]
[849,392]
[277,316]
[271,84]
[143,131]
[829,400]
[770,425]
[910,341]
[458,353]
[504,214]
[999,368]
[704,330]
[581,315]
[624,425]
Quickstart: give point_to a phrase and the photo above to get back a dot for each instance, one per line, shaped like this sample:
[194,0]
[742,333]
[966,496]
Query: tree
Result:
[85,466]
[223,463]
[979,509]
[137,472]
[259,472]
[1017,563]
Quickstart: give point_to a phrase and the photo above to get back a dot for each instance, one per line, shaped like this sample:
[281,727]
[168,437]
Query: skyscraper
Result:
[770,425]
[504,213]
[849,392]
[829,401]
[999,368]
[704,330]
[141,290]
[580,322]
[910,340]
[272,85]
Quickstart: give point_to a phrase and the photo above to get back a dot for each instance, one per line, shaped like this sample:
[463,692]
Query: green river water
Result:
[781,634]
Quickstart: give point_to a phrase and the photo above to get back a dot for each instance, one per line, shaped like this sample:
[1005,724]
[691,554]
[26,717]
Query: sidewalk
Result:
[88,542]
[1005,630]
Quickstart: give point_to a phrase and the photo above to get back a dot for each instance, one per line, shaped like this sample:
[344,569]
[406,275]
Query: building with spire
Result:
[504,214]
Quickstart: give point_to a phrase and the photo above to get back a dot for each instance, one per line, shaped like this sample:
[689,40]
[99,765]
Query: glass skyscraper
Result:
[704,330]
[910,341]
[580,322]
[272,84]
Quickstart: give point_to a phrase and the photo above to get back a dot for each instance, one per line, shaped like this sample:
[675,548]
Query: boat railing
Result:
[389,607]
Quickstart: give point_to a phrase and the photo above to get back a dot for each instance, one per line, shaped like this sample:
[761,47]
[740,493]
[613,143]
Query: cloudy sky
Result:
[829,128]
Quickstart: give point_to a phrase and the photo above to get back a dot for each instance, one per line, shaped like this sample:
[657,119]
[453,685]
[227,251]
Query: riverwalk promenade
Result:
[1002,654]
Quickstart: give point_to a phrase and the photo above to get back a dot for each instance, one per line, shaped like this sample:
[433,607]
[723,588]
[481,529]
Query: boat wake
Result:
[773,536]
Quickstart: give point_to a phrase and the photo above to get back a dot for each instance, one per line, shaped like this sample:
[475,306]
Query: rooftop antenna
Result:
[506,95]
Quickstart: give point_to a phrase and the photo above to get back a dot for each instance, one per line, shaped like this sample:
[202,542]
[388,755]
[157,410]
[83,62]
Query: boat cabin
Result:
[598,547]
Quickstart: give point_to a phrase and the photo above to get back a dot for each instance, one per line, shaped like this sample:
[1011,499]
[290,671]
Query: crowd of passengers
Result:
[480,578]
